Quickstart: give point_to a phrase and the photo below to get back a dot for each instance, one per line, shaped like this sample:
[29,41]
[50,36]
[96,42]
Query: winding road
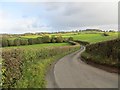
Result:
[71,72]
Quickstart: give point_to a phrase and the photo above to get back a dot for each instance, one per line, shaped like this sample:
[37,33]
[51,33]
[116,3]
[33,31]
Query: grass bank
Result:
[104,53]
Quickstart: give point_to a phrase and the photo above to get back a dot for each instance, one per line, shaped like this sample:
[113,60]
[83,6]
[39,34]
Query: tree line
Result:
[30,41]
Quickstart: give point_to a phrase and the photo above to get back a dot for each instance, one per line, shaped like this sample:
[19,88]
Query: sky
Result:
[23,17]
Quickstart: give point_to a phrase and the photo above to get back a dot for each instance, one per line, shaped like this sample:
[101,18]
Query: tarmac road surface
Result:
[71,72]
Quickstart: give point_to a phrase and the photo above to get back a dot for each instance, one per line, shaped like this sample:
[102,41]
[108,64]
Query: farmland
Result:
[26,58]
[39,46]
[59,44]
[88,36]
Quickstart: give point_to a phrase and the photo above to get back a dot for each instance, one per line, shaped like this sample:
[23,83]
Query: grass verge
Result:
[107,64]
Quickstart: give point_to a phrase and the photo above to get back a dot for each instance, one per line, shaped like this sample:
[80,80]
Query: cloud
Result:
[59,1]
[82,14]
[38,17]
[20,25]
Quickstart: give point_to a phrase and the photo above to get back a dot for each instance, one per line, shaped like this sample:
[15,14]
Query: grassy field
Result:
[47,45]
[88,36]
[31,36]
[93,38]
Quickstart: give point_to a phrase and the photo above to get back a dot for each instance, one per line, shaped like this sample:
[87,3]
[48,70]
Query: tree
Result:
[39,40]
[24,42]
[59,39]
[70,39]
[10,42]
[45,39]
[17,42]
[30,42]
[4,42]
[35,41]
[105,34]
[53,39]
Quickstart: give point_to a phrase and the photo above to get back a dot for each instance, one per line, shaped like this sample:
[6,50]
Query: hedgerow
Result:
[30,41]
[106,53]
[26,68]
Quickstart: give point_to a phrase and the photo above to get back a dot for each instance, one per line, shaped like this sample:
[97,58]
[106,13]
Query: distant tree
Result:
[10,42]
[45,39]
[32,41]
[70,39]
[111,31]
[80,30]
[23,41]
[105,34]
[39,40]
[53,39]
[65,39]
[4,42]
[59,39]
[17,42]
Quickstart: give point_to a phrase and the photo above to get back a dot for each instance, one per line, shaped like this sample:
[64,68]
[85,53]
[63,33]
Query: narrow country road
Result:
[71,72]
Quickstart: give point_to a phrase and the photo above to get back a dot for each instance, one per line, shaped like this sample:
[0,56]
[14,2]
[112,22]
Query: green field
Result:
[88,36]
[93,38]
[36,46]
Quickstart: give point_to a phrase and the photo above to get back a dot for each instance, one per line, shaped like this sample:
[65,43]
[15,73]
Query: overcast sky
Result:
[22,17]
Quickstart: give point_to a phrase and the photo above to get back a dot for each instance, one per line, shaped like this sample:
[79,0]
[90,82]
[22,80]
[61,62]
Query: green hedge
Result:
[30,41]
[23,68]
[106,52]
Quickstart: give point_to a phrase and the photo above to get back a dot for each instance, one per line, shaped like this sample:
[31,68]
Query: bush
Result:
[26,68]
[70,39]
[59,39]
[32,41]
[11,67]
[46,39]
[53,39]
[4,42]
[39,40]
[10,42]
[108,52]
[17,42]
[105,34]
[24,42]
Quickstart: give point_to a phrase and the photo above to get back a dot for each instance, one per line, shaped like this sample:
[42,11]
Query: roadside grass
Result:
[99,59]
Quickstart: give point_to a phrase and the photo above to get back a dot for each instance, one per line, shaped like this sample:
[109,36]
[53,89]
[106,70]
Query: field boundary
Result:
[107,68]
[100,66]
